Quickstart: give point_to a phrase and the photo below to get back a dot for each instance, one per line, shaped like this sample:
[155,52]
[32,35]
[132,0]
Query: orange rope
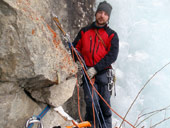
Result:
[112,108]
[78,102]
[93,107]
[99,93]
[77,93]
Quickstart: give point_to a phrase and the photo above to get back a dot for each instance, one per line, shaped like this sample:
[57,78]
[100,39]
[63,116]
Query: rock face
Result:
[16,107]
[34,63]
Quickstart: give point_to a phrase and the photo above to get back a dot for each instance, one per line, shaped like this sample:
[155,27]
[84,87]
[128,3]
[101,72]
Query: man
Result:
[99,46]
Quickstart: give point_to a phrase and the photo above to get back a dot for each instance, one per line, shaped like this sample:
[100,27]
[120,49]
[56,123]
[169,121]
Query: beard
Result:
[101,21]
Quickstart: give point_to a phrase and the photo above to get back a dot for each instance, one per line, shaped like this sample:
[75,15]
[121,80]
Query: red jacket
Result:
[90,46]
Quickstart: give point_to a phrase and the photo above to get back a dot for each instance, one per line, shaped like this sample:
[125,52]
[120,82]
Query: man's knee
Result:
[107,113]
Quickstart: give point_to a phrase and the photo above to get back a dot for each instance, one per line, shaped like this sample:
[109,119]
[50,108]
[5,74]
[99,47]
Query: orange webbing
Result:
[80,125]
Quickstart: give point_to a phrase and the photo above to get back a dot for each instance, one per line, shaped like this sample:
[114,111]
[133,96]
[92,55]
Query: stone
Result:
[35,67]
[29,46]
[55,95]
[16,107]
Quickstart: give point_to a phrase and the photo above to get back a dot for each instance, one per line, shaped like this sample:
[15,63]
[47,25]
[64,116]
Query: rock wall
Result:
[35,67]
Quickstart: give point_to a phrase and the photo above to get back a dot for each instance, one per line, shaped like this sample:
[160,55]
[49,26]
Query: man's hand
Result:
[91,72]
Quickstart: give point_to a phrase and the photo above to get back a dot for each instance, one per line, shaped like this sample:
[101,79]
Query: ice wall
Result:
[143,27]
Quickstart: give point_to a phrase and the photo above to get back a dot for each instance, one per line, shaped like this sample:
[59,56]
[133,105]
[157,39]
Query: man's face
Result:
[101,18]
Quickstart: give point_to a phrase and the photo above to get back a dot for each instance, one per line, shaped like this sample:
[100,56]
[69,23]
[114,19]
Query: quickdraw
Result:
[33,120]
[66,36]
[37,119]
[112,79]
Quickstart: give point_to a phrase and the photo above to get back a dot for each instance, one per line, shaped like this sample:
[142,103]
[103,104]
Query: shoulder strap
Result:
[100,38]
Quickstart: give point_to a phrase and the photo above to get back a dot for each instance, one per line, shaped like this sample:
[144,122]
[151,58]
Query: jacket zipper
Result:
[90,43]
[98,46]
[94,49]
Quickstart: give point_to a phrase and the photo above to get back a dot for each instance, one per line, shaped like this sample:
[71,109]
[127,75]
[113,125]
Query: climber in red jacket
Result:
[98,45]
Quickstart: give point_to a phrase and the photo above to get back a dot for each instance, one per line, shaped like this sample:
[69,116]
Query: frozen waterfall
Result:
[143,27]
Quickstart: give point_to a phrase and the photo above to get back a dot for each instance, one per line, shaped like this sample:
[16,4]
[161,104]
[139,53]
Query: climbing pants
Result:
[102,111]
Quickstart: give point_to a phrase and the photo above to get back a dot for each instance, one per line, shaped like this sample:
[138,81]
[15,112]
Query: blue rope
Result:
[82,60]
[41,115]
[92,98]
[71,45]
[94,103]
